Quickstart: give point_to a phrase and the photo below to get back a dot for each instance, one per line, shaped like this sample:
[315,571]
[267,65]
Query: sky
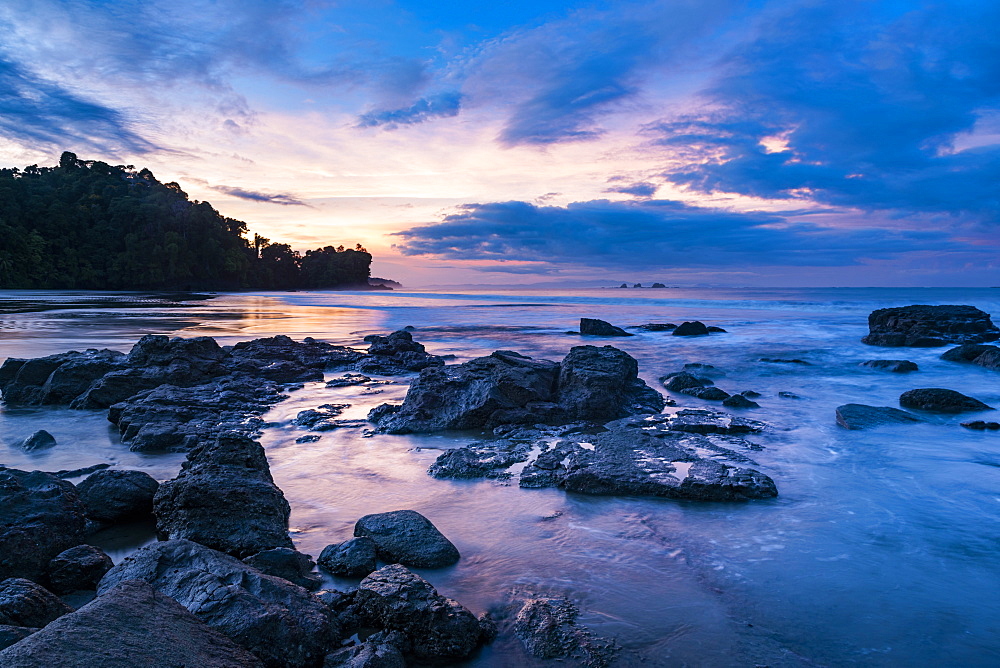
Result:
[707,142]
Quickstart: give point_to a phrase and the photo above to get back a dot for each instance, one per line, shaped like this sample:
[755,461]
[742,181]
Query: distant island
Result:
[88,225]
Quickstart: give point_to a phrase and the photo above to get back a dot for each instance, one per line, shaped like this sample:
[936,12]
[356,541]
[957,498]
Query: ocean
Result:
[882,548]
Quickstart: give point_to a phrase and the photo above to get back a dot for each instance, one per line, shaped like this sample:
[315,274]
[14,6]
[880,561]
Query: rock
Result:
[694,328]
[548,629]
[479,460]
[354,558]
[594,327]
[547,469]
[600,384]
[698,421]
[56,379]
[682,380]
[438,629]
[924,326]
[939,400]
[707,393]
[788,395]
[395,354]
[634,462]
[657,285]
[980,425]
[113,496]
[860,416]
[407,537]
[76,473]
[281,623]
[130,625]
[40,440]
[784,360]
[24,603]
[282,360]
[657,327]
[715,330]
[739,401]
[287,564]
[308,438]
[224,497]
[80,567]
[40,516]
[981,355]
[348,380]
[13,634]
[366,655]
[750,394]
[895,366]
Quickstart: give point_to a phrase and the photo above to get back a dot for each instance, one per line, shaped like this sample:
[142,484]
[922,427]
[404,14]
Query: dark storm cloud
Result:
[284,200]
[654,233]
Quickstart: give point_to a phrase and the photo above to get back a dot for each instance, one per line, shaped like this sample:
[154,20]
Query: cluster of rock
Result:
[702,387]
[982,355]
[172,394]
[928,326]
[594,327]
[928,400]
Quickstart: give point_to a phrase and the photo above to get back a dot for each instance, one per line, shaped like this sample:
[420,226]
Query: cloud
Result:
[283,200]
[442,105]
[657,234]
[853,104]
[639,189]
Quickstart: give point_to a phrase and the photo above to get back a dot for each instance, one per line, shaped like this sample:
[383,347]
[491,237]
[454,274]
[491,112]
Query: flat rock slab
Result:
[131,626]
[940,400]
[860,416]
[924,326]
[407,537]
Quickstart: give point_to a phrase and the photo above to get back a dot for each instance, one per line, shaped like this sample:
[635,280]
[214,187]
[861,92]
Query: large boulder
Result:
[407,537]
[224,497]
[439,629]
[24,603]
[80,567]
[113,496]
[940,400]
[40,516]
[601,384]
[396,354]
[925,326]
[594,327]
[131,625]
[860,416]
[55,379]
[281,623]
[284,360]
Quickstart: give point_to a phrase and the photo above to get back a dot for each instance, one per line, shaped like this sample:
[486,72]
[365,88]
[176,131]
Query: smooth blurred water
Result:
[881,550]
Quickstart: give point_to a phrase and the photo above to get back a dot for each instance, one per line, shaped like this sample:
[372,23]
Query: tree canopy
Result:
[85,224]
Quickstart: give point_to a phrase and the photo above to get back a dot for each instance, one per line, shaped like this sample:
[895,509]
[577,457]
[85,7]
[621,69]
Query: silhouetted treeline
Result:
[89,225]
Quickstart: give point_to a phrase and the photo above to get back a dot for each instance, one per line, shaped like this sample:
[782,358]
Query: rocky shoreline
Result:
[225,586]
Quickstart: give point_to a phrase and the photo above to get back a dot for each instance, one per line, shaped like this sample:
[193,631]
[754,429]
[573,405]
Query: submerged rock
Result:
[281,623]
[925,326]
[860,416]
[479,460]
[113,496]
[594,327]
[547,627]
[224,497]
[40,440]
[407,537]
[707,393]
[895,366]
[657,327]
[980,425]
[940,400]
[130,625]
[24,603]
[80,567]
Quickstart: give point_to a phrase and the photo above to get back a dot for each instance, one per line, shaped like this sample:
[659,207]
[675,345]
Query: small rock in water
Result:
[860,416]
[716,330]
[788,395]
[308,438]
[750,394]
[40,440]
[407,537]
[693,328]
[682,380]
[782,360]
[739,401]
[348,379]
[940,400]
[895,366]
[980,425]
[354,558]
[707,393]
[594,327]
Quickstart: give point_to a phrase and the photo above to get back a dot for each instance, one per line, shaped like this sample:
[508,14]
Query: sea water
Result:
[882,548]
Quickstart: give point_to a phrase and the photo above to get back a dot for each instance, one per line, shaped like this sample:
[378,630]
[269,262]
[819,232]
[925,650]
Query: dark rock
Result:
[131,625]
[281,623]
[923,326]
[594,327]
[682,380]
[308,438]
[354,558]
[629,461]
[739,401]
[438,629]
[40,516]
[707,393]
[395,354]
[366,655]
[860,416]
[600,384]
[284,360]
[348,379]
[895,366]
[479,460]
[788,395]
[657,285]
[24,603]
[80,567]
[224,497]
[980,425]
[982,355]
[989,359]
[698,421]
[939,400]
[783,360]
[40,440]
[13,634]
[287,564]
[694,328]
[76,473]
[118,496]
[548,628]
[657,327]
[547,469]
[750,394]
[321,419]
[716,330]
[407,537]
[56,379]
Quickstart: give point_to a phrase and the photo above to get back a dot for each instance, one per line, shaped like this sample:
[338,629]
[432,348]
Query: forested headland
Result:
[85,224]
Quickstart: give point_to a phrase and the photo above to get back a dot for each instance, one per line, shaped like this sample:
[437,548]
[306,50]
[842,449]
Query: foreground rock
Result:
[940,400]
[895,366]
[437,628]
[24,603]
[40,516]
[118,496]
[13,634]
[354,558]
[592,383]
[80,567]
[971,353]
[130,625]
[926,326]
[279,622]
[594,327]
[56,379]
[860,416]
[224,497]
[548,628]
[407,537]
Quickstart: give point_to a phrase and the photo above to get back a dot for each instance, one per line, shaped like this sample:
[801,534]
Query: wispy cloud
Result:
[443,105]
[242,193]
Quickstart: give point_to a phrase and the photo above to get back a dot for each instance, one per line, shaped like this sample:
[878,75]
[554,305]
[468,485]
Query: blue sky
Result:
[709,141]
